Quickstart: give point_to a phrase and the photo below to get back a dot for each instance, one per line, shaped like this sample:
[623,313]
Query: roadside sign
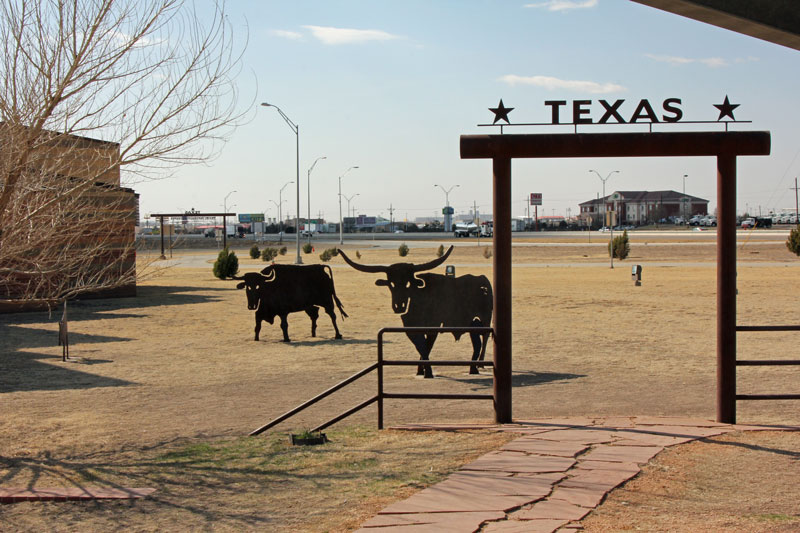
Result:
[536,198]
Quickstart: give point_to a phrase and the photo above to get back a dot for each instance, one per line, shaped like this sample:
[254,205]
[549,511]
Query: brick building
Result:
[641,207]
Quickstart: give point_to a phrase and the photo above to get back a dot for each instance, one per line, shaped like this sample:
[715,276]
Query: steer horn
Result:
[380,268]
[435,263]
[363,268]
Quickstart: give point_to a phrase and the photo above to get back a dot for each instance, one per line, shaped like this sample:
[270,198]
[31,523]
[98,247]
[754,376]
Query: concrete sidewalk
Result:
[546,480]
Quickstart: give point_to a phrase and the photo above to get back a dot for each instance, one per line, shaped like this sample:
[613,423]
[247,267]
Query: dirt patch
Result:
[741,482]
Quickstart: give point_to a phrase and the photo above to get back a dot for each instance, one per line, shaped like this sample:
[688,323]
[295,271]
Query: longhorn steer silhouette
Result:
[282,289]
[436,300]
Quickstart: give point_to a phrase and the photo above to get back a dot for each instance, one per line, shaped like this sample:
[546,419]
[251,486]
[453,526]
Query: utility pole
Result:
[391,219]
[796,214]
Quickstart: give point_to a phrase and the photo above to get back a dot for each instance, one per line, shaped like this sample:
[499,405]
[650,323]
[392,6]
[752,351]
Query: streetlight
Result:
[447,203]
[684,197]
[341,220]
[224,225]
[280,212]
[604,209]
[296,129]
[348,202]
[308,191]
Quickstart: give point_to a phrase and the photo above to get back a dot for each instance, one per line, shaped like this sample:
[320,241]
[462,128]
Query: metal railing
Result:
[382,395]
[767,362]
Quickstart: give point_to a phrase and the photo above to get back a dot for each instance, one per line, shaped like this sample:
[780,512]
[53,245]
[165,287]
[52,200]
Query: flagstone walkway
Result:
[546,480]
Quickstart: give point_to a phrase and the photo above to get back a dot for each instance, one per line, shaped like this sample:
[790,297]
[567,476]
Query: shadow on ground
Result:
[518,379]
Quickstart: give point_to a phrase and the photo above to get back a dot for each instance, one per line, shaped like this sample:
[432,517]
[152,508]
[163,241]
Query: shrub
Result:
[487,252]
[358,254]
[307,248]
[621,246]
[326,255]
[440,251]
[226,265]
[254,252]
[403,250]
[269,253]
[282,251]
[793,242]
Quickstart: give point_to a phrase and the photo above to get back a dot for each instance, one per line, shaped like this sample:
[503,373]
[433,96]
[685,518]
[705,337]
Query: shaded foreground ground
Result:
[176,369]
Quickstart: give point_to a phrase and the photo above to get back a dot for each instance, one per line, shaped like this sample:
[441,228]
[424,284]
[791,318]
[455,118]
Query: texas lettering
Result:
[613,112]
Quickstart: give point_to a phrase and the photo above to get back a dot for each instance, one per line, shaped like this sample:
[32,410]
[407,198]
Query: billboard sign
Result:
[246,218]
[536,198]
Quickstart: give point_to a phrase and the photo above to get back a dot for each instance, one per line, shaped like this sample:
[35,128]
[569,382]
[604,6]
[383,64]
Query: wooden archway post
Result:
[725,146]
[501,205]
[726,288]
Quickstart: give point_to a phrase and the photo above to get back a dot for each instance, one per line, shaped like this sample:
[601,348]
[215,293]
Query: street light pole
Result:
[341,220]
[348,203]
[684,198]
[447,200]
[280,211]
[296,129]
[604,210]
[224,225]
[308,191]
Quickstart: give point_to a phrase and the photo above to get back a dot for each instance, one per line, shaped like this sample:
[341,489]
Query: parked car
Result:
[748,223]
[306,233]
[708,221]
[695,220]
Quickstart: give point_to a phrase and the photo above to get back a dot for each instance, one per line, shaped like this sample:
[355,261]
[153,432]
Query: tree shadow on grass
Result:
[221,483]
[24,372]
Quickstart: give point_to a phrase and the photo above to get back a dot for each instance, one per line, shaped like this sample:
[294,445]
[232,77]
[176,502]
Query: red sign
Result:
[536,198]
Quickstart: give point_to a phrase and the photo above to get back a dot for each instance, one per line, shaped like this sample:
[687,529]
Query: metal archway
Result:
[725,146]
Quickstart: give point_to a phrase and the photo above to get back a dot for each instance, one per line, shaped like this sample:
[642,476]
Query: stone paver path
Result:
[546,480]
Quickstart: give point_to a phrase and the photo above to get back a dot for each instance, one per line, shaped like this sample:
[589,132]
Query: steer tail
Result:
[333,290]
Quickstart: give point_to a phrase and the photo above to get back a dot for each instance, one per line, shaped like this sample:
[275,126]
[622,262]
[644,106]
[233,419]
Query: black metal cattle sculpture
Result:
[282,289]
[435,300]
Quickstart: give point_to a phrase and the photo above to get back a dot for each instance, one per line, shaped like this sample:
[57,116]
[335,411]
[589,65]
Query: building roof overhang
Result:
[775,21]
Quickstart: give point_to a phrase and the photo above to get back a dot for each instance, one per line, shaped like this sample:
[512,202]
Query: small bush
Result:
[793,242]
[307,248]
[226,265]
[403,250]
[326,255]
[358,254]
[282,251]
[487,252]
[621,246]
[269,253]
[334,252]
[254,252]
[440,251]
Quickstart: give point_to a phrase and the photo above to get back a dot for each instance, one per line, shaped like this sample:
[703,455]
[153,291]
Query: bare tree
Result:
[95,95]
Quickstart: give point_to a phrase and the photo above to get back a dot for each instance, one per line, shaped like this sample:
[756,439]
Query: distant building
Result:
[641,207]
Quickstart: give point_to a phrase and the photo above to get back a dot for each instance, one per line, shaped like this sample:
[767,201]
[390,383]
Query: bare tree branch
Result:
[95,94]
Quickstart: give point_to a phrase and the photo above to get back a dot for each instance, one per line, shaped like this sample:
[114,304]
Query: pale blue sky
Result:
[389,86]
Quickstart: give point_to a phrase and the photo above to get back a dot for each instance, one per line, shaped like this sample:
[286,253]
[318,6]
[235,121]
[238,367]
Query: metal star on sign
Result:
[501,112]
[726,109]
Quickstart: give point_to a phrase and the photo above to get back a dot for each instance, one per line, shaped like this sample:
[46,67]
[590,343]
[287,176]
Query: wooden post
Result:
[502,289]
[726,288]
[161,218]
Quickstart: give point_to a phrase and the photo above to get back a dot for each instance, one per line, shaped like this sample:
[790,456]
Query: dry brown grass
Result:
[177,367]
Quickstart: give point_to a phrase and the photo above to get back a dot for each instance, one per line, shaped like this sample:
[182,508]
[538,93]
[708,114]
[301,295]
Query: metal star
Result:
[726,109]
[501,112]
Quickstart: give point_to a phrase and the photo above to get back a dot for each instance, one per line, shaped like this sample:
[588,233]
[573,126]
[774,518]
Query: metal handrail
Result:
[379,367]
[767,362]
[315,399]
